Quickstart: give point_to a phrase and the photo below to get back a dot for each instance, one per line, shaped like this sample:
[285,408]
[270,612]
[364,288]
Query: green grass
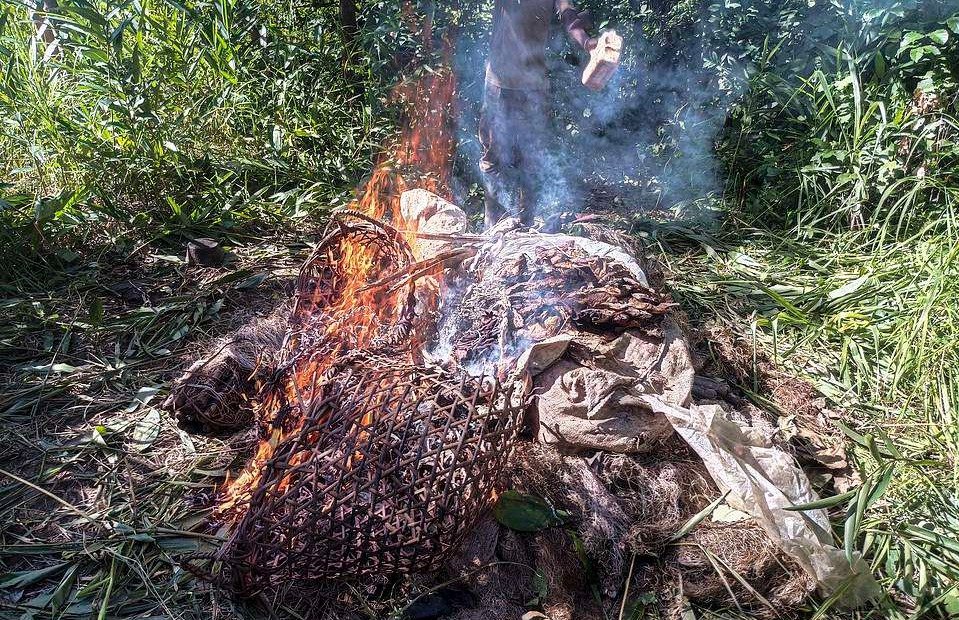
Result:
[171,118]
[99,489]
[839,258]
[875,335]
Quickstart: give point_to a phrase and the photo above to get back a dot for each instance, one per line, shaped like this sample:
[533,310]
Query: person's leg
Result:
[491,160]
[533,172]
[503,134]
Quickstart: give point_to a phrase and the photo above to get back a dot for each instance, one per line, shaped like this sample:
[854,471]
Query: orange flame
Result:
[422,157]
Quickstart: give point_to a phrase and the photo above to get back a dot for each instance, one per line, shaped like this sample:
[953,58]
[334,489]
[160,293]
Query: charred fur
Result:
[213,394]
[624,509]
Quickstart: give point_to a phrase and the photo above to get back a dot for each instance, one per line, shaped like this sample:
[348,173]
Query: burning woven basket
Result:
[370,464]
[390,466]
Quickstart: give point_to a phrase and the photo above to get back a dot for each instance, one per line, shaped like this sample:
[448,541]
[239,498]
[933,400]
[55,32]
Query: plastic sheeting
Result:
[617,399]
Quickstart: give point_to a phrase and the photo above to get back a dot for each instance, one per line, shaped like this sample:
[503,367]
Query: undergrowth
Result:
[838,256]
[156,119]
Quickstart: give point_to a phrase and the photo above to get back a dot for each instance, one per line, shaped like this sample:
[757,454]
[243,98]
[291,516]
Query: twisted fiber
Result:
[411,273]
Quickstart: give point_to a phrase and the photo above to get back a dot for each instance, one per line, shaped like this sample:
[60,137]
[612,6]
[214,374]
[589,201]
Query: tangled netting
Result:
[378,464]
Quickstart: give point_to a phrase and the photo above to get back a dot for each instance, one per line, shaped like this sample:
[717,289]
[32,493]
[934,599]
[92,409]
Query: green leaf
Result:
[908,38]
[96,312]
[540,587]
[143,397]
[950,602]
[854,519]
[916,53]
[933,538]
[940,36]
[879,61]
[178,544]
[53,368]
[59,595]
[252,282]
[98,436]
[825,502]
[856,437]
[698,517]
[880,488]
[525,513]
[276,138]
[953,23]
[22,579]
[849,288]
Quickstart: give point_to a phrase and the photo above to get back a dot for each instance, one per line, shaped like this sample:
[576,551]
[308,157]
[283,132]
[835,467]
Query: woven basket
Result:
[392,464]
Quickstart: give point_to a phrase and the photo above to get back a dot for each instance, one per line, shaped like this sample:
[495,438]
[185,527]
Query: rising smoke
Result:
[648,140]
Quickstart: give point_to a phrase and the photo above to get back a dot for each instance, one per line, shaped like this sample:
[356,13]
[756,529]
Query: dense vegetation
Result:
[806,151]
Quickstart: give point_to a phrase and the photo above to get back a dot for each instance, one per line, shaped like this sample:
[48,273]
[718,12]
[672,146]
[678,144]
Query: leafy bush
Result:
[842,161]
[862,136]
[157,115]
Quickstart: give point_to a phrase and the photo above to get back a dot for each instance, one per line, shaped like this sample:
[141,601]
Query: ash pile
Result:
[516,413]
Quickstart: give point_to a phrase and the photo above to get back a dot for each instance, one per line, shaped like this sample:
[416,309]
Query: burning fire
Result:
[350,312]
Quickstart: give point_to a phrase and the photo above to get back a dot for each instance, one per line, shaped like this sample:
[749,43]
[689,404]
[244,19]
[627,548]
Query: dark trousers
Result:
[512,133]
